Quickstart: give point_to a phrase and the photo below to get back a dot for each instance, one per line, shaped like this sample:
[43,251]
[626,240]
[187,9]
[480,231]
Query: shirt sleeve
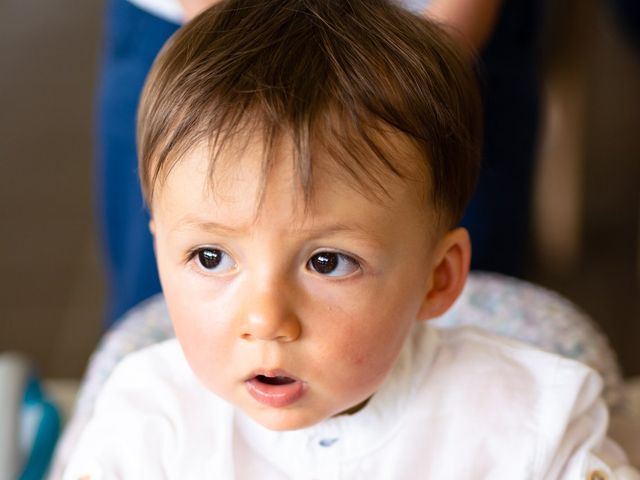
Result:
[129,436]
[584,451]
[593,455]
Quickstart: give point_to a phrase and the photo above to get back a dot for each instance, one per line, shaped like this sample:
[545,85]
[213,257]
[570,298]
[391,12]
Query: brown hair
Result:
[331,74]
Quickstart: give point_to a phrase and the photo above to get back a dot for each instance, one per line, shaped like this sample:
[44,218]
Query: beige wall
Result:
[50,283]
[588,200]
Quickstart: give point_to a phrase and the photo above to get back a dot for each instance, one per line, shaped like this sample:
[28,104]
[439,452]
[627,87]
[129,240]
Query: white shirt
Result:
[458,404]
[172,11]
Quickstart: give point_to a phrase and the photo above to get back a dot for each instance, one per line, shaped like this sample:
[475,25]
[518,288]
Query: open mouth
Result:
[275,389]
[277,380]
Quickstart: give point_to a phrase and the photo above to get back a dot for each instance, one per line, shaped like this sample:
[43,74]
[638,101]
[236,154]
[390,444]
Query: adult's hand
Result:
[194,7]
[471,20]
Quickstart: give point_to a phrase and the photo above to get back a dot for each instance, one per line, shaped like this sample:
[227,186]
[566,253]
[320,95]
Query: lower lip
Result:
[276,396]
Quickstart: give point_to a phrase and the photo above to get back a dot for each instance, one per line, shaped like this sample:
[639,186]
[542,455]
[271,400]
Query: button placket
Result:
[328,452]
[327,442]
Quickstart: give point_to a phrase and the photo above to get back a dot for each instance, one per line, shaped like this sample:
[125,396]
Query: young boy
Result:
[305,163]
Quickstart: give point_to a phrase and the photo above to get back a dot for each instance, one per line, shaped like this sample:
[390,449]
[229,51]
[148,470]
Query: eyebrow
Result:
[208,225]
[212,226]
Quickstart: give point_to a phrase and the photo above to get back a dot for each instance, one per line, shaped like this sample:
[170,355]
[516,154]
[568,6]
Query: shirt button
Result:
[597,475]
[327,442]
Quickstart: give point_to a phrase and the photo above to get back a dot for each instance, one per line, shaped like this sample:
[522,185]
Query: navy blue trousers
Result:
[132,40]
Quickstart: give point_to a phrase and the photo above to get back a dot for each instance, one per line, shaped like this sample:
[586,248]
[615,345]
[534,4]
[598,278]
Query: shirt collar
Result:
[352,435]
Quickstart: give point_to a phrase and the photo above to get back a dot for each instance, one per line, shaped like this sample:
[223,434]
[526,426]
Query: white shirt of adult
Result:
[172,11]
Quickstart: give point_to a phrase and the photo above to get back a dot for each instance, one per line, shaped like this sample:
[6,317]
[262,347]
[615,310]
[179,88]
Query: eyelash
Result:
[195,256]
[321,259]
[331,257]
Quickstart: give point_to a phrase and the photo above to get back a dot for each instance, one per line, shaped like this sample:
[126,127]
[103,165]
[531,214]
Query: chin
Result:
[282,420]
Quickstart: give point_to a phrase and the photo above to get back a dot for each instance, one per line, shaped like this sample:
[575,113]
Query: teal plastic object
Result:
[39,429]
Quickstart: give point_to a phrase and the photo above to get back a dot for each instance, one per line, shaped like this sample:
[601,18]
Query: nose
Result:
[270,316]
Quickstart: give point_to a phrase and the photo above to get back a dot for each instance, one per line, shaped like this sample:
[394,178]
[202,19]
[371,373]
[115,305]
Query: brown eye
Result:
[209,259]
[324,262]
[214,260]
[333,264]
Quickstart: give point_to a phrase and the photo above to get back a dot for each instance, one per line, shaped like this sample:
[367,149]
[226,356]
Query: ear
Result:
[448,273]
[152,229]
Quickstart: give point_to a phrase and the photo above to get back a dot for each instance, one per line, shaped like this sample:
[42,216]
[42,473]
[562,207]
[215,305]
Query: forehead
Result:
[241,188]
[367,163]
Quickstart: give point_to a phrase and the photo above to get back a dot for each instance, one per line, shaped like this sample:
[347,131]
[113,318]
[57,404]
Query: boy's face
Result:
[293,315]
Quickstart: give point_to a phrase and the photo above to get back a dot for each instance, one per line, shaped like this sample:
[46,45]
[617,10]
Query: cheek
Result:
[368,344]
[192,305]
[202,336]
[362,372]
[374,351]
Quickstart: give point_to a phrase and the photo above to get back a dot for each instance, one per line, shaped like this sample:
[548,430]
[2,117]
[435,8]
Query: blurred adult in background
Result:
[134,33]
[628,16]
[504,32]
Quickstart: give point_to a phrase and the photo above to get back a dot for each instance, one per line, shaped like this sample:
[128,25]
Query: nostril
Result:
[282,330]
